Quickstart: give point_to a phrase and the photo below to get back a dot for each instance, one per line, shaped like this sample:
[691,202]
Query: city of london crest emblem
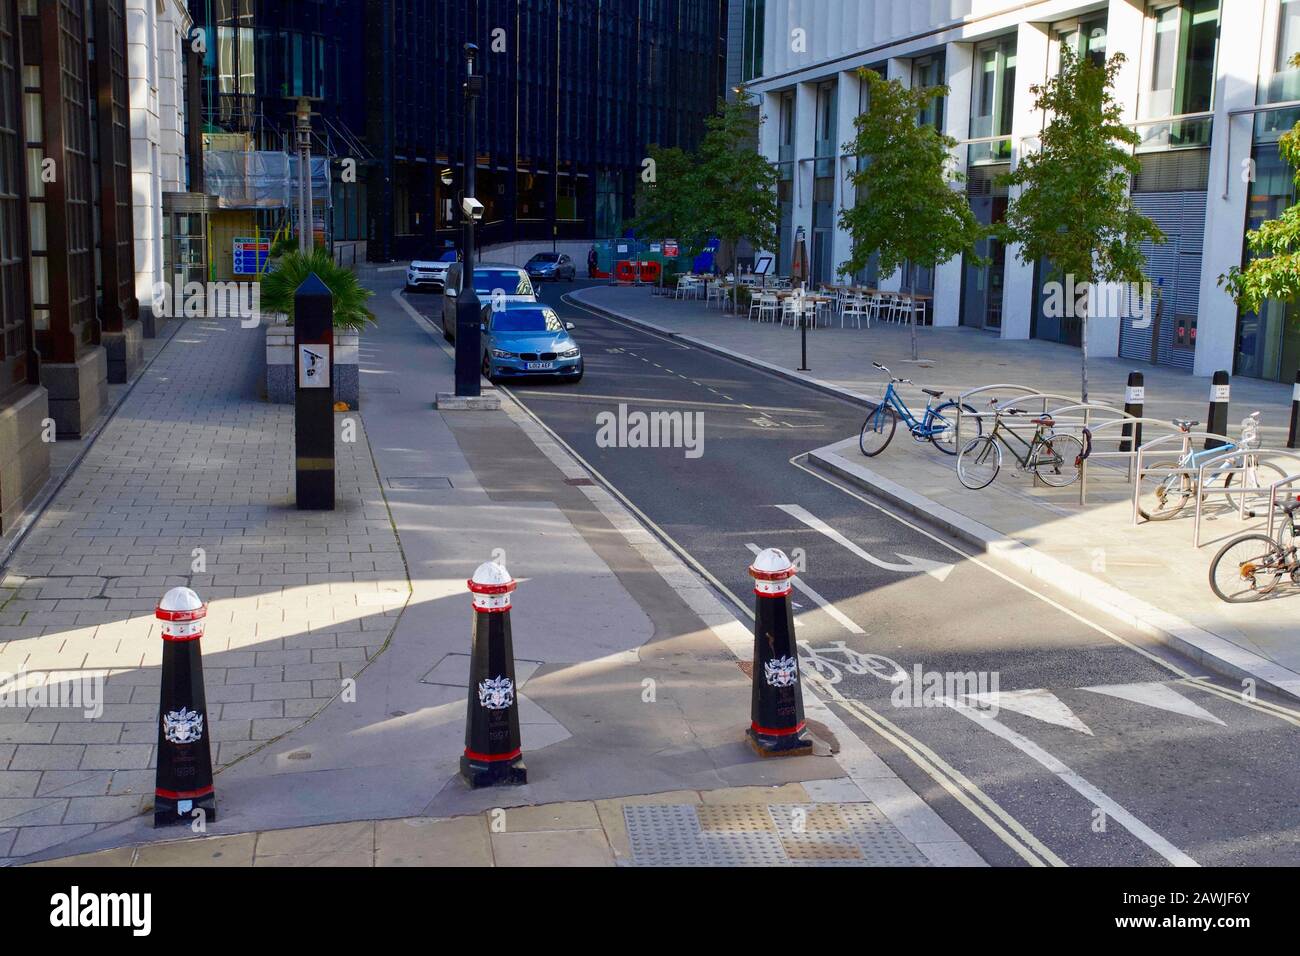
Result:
[781,672]
[183,726]
[496,693]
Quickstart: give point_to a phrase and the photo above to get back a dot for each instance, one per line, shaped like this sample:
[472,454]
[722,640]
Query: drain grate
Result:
[753,834]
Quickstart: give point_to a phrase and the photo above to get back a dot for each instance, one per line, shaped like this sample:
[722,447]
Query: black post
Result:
[1217,421]
[313,418]
[183,778]
[776,725]
[493,749]
[803,340]
[1292,436]
[469,342]
[1134,399]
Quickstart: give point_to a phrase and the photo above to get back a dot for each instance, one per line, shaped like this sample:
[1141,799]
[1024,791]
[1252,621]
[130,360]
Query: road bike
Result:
[1053,459]
[937,425]
[1174,483]
[1254,565]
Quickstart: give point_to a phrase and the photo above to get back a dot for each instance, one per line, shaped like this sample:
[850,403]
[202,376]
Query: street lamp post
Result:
[303,126]
[469,343]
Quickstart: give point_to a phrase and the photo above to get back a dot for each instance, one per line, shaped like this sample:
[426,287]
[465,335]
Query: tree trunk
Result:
[911,310]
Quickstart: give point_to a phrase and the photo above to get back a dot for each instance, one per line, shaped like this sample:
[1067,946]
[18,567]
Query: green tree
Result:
[1273,271]
[667,198]
[907,209]
[735,184]
[280,284]
[1074,208]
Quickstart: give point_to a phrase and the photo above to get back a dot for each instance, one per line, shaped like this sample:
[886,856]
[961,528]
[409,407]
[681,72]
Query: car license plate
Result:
[540,366]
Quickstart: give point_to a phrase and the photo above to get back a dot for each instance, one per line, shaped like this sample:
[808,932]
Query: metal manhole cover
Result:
[419,483]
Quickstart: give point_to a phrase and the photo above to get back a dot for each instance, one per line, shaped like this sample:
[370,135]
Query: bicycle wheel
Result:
[1163,496]
[944,426]
[1266,474]
[1056,461]
[1247,568]
[979,463]
[878,431]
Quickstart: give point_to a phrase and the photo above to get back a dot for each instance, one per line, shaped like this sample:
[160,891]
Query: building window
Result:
[752,51]
[1180,47]
[1279,82]
[826,120]
[993,101]
[929,71]
[1086,38]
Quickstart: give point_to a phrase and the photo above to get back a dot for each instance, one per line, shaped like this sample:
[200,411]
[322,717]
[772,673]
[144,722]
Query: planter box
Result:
[280,381]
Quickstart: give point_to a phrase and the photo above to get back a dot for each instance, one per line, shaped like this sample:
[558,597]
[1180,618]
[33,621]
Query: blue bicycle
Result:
[938,425]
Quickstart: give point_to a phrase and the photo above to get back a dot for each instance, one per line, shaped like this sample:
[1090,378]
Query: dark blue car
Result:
[525,339]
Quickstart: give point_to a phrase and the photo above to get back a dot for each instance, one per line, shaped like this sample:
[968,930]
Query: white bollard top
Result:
[771,572]
[182,614]
[491,585]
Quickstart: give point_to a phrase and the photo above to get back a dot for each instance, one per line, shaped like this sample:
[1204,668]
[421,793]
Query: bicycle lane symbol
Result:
[834,661]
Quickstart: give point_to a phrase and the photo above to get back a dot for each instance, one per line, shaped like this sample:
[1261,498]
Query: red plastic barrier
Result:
[649,271]
[624,272]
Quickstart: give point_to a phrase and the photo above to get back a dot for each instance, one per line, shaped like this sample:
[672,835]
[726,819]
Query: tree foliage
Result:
[1074,208]
[1273,271]
[908,209]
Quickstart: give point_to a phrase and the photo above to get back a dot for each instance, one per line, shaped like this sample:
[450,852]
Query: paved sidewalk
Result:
[191,483]
[1149,576]
[791,825]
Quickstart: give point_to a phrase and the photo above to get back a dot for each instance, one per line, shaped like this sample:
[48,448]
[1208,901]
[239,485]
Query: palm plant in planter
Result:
[279,286]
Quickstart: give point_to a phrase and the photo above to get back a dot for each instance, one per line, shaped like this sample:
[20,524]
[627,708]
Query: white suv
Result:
[424,273]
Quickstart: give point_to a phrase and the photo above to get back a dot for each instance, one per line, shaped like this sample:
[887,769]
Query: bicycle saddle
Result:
[1185,424]
[1045,420]
[1015,411]
[1289,507]
[932,393]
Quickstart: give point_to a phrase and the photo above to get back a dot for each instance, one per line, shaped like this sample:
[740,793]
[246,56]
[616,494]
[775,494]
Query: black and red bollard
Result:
[184,778]
[493,750]
[1217,419]
[776,712]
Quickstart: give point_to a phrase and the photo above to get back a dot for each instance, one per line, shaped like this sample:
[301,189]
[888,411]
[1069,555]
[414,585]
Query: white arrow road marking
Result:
[1037,703]
[1071,779]
[1155,694]
[824,604]
[911,565]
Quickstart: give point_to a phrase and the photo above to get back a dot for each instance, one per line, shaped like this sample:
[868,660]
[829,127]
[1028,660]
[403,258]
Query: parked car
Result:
[551,265]
[506,282]
[526,339]
[429,273]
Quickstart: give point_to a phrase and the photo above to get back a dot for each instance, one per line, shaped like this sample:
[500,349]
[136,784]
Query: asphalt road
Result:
[1105,749]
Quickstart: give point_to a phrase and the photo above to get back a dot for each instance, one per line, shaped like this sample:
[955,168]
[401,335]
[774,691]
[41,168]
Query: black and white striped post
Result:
[1294,434]
[1217,421]
[776,725]
[1134,399]
[183,780]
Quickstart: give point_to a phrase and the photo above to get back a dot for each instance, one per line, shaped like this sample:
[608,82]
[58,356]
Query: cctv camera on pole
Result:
[469,346]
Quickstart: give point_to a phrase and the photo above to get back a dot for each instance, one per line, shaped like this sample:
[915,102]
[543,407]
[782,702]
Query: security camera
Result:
[472,208]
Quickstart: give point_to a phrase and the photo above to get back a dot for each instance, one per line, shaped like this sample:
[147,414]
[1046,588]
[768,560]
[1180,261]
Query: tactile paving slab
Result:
[756,834]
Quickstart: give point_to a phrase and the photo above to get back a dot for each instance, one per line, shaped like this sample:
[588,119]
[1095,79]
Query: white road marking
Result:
[1081,786]
[911,566]
[847,622]
[1155,694]
[1037,703]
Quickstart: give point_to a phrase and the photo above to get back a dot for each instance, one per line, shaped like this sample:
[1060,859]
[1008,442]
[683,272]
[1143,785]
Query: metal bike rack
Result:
[1243,491]
[1272,493]
[1161,443]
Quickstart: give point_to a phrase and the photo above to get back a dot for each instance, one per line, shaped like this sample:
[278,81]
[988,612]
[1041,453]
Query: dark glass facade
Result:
[575,91]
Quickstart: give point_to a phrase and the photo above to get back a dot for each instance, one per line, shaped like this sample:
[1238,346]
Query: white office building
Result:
[1205,83]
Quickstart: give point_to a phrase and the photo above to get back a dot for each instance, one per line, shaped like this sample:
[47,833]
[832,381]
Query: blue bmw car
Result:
[526,339]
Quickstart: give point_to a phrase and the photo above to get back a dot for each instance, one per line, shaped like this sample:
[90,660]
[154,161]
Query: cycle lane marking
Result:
[935,569]
[1088,791]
